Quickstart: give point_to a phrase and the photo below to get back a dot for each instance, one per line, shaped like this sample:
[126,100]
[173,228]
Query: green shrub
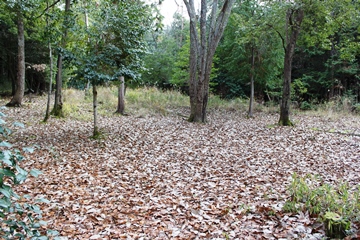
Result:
[336,207]
[305,106]
[19,218]
[356,108]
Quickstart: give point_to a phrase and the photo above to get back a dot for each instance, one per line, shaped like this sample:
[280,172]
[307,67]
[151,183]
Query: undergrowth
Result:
[19,217]
[335,206]
[152,101]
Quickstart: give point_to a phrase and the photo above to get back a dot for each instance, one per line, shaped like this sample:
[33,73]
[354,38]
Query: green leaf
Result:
[5,144]
[19,209]
[27,196]
[20,178]
[36,225]
[52,232]
[2,122]
[43,223]
[7,172]
[40,238]
[20,170]
[5,157]
[2,115]
[28,149]
[35,209]
[18,124]
[44,200]
[5,203]
[6,192]
[35,172]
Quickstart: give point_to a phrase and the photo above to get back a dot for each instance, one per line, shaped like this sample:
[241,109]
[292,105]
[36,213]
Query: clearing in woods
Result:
[161,177]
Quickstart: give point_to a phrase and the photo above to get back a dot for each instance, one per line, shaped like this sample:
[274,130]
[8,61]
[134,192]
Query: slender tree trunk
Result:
[87,88]
[332,71]
[47,114]
[121,97]
[251,104]
[20,80]
[57,110]
[294,19]
[96,129]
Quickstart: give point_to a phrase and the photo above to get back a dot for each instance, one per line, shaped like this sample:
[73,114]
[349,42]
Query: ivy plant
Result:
[19,219]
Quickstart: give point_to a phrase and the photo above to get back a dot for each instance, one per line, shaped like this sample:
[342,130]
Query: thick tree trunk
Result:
[285,102]
[202,51]
[251,104]
[121,96]
[294,19]
[20,80]
[193,62]
[96,129]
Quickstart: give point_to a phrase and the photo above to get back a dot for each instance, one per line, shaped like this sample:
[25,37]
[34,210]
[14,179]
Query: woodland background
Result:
[79,171]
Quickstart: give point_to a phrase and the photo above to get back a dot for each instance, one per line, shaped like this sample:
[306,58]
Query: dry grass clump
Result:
[142,102]
[334,109]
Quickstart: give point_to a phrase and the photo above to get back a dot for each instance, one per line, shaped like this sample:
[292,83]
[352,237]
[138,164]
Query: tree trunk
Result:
[20,80]
[121,96]
[87,88]
[332,70]
[293,20]
[47,114]
[251,104]
[96,130]
[57,110]
[202,52]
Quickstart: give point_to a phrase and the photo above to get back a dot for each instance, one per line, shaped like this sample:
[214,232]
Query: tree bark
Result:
[202,52]
[96,130]
[87,88]
[293,20]
[121,97]
[20,80]
[251,104]
[47,114]
[57,110]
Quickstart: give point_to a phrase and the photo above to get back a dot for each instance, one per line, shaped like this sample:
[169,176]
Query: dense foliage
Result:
[325,65]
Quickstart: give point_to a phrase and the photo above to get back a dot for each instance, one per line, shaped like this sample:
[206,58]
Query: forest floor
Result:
[161,177]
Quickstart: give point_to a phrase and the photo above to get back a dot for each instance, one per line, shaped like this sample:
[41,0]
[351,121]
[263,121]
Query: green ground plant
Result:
[19,218]
[336,206]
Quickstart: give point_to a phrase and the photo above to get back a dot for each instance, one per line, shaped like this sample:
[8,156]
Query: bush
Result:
[356,108]
[336,207]
[19,218]
[306,106]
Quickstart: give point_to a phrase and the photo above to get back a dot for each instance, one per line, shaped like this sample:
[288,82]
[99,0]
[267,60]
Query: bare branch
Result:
[282,38]
[47,8]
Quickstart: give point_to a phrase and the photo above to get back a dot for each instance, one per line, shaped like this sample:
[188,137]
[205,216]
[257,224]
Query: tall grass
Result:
[151,101]
[336,108]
